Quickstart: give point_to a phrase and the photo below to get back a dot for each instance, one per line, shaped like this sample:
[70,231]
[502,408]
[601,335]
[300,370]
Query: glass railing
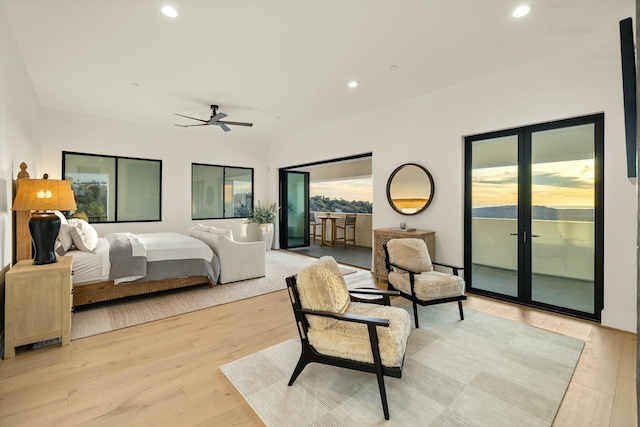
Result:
[559,248]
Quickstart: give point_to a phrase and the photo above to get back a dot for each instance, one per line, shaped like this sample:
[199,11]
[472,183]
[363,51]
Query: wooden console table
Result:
[383,235]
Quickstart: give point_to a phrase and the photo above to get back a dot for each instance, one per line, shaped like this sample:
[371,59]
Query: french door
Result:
[534,215]
[294,209]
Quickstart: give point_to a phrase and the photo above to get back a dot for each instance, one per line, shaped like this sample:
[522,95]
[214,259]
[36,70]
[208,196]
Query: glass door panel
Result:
[562,217]
[295,209]
[534,231]
[494,211]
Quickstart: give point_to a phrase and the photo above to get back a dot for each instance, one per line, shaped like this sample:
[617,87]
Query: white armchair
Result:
[238,260]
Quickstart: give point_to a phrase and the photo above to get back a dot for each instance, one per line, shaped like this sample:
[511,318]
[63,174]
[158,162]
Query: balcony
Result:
[562,260]
[360,256]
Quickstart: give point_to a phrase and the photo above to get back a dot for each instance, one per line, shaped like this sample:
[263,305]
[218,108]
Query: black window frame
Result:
[224,174]
[117,189]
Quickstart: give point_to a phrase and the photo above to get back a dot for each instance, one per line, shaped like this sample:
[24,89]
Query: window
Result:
[220,191]
[114,189]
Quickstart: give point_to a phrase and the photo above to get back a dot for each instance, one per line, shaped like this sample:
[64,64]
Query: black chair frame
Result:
[310,355]
[412,280]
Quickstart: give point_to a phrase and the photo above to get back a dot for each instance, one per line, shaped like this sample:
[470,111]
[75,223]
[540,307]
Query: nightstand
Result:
[38,303]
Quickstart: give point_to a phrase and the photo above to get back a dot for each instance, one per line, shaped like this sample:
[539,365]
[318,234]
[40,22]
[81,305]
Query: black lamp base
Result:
[44,228]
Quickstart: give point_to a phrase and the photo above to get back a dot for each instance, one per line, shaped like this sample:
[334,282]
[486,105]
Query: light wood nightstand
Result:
[38,303]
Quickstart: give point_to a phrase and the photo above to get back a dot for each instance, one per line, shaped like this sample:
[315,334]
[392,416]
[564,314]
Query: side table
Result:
[38,303]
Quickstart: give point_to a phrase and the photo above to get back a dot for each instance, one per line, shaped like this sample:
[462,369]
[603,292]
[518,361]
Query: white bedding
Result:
[166,246]
[94,267]
[88,267]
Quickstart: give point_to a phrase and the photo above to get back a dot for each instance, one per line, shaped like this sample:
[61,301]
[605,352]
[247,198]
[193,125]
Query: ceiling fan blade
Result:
[224,127]
[188,126]
[237,123]
[193,118]
[217,117]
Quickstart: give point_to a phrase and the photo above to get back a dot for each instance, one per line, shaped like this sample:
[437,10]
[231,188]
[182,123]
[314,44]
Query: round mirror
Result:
[410,189]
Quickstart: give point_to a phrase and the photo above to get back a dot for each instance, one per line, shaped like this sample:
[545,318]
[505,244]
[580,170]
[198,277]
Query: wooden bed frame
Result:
[101,291]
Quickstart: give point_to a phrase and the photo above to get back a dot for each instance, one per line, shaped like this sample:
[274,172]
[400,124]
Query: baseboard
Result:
[618,321]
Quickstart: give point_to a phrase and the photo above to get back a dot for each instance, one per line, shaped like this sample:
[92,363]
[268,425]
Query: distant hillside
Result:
[324,204]
[538,212]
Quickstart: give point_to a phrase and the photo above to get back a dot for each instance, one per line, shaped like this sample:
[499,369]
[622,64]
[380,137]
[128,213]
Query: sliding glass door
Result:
[533,215]
[294,208]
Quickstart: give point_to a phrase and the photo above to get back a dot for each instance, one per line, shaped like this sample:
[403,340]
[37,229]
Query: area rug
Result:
[105,317]
[483,371]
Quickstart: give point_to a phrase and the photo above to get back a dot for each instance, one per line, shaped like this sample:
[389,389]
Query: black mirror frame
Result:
[393,174]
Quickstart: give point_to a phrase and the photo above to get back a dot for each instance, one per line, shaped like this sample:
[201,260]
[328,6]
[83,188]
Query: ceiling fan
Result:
[214,120]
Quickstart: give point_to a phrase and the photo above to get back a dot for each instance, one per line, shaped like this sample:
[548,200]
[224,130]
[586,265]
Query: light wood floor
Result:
[166,373]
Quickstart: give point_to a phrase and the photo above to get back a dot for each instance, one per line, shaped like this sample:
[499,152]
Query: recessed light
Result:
[521,11]
[170,11]
[353,84]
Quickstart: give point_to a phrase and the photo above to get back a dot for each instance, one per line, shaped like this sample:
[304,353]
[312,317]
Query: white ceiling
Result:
[283,65]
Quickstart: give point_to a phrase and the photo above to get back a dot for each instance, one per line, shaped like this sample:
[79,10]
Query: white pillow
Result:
[222,232]
[64,242]
[84,236]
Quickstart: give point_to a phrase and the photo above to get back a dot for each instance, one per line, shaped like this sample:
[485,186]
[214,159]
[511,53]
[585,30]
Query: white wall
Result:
[176,147]
[19,129]
[429,130]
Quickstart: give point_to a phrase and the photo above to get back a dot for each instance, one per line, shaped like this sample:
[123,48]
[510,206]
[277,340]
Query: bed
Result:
[103,272]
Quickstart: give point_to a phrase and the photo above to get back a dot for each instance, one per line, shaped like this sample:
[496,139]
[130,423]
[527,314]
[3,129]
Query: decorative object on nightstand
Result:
[38,301]
[44,196]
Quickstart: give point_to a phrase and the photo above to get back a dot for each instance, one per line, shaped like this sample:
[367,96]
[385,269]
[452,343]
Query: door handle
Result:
[524,235]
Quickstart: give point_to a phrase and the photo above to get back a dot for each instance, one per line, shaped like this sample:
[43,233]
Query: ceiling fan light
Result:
[170,11]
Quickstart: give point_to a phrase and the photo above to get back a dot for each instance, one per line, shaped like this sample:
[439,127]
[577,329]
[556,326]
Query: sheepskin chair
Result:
[411,272]
[336,331]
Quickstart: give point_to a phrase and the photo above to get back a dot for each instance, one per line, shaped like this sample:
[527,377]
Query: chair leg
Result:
[302,363]
[460,308]
[377,361]
[415,313]
[383,392]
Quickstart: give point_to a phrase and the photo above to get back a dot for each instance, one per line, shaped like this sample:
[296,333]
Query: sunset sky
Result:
[558,184]
[360,189]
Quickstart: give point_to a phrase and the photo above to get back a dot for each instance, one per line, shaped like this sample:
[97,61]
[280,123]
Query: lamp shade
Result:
[44,195]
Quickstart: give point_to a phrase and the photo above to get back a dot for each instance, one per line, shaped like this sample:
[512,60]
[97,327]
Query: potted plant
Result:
[264,217]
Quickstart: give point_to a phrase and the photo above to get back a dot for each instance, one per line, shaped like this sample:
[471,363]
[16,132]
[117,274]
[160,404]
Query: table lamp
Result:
[44,196]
